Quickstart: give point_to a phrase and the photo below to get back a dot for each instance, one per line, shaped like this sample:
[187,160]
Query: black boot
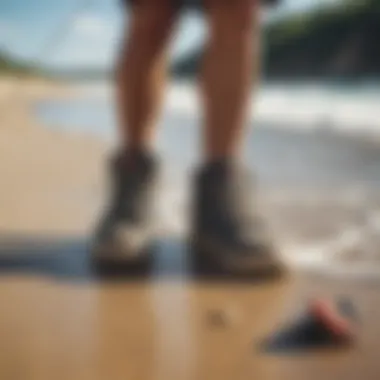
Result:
[227,232]
[125,232]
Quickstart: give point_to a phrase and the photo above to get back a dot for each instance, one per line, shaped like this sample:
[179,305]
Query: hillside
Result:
[9,65]
[335,42]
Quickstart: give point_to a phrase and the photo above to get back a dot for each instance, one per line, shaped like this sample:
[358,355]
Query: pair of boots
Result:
[226,230]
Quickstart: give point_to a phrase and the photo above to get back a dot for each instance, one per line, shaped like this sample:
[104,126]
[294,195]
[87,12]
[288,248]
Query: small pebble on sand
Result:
[222,317]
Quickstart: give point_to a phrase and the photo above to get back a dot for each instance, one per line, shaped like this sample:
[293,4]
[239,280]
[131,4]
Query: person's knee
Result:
[232,16]
[149,29]
[152,18]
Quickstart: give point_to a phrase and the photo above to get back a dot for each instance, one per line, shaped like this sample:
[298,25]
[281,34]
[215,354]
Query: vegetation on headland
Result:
[338,41]
[11,66]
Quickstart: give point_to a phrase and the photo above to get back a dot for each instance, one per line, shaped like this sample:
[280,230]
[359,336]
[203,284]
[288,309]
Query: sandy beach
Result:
[42,168]
[60,321]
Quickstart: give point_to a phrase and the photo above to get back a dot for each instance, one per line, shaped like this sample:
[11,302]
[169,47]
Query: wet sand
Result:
[59,320]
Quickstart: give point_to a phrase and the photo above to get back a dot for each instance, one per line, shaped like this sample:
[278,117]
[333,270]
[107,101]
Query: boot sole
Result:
[206,259]
[115,259]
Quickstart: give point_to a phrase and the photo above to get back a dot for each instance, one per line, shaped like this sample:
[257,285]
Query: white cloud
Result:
[91,25]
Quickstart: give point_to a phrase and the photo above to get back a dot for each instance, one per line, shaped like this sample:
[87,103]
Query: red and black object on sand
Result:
[324,324]
[337,320]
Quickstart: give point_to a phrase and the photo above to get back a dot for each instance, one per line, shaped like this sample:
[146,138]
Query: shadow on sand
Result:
[69,259]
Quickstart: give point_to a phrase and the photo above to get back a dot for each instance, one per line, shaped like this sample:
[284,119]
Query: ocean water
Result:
[349,108]
[314,147]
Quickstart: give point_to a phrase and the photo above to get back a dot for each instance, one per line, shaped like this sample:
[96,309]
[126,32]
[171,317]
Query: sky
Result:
[82,33]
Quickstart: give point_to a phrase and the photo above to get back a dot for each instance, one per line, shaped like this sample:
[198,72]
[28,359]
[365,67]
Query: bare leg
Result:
[125,231]
[141,74]
[226,78]
[228,231]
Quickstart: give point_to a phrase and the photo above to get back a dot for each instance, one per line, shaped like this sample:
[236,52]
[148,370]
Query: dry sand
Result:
[58,322]
[46,176]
